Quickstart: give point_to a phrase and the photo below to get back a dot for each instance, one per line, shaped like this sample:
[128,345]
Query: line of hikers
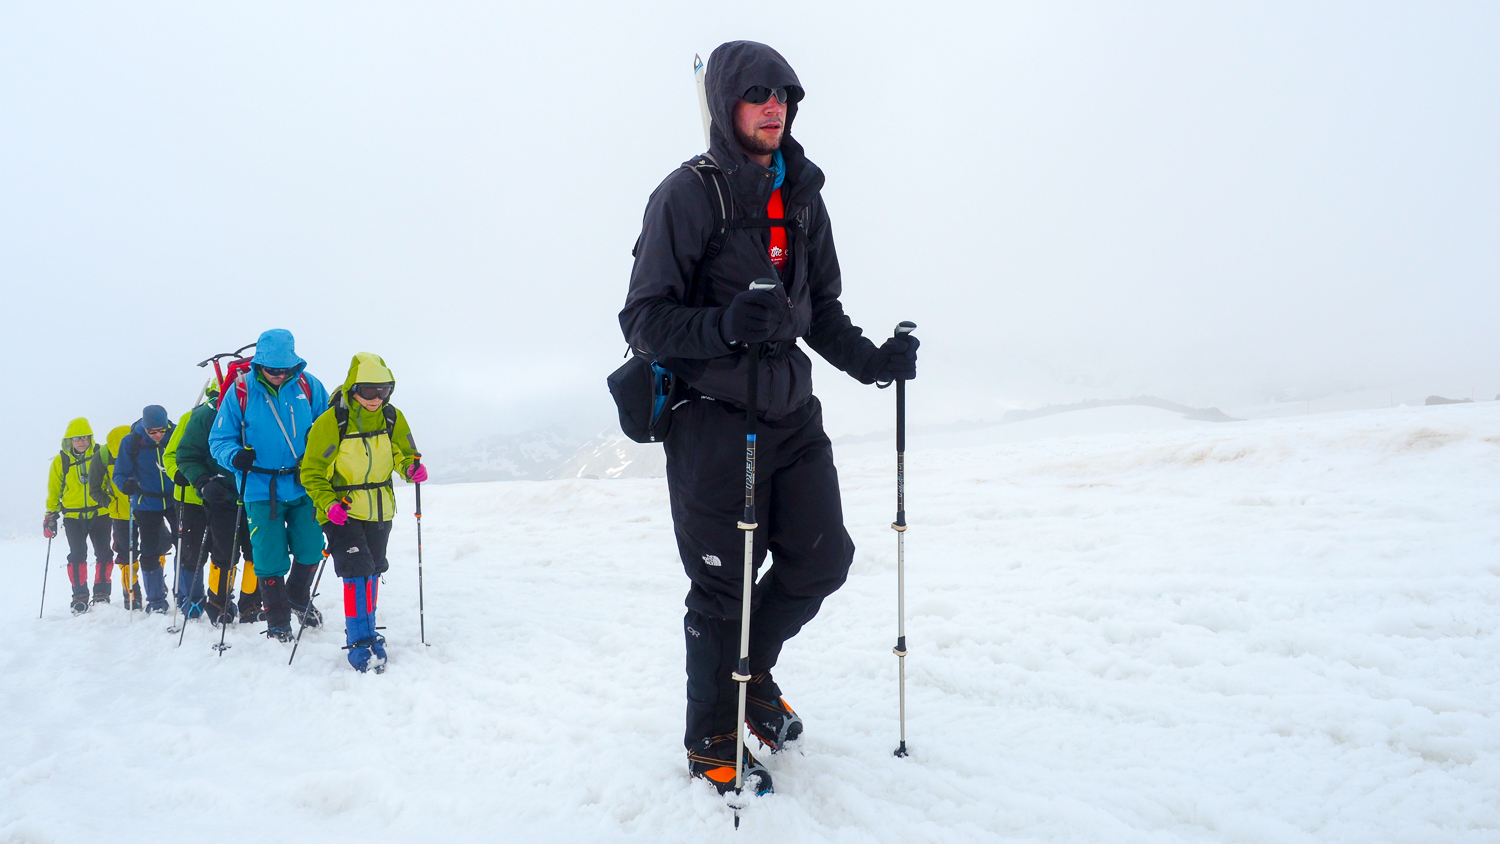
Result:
[266,467]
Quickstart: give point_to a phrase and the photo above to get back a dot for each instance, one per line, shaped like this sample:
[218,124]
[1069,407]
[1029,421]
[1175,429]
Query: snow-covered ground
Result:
[1124,627]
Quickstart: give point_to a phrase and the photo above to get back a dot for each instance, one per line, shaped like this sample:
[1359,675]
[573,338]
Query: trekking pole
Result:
[747,523]
[316,580]
[45,566]
[421,603]
[899,526]
[234,549]
[177,574]
[208,533]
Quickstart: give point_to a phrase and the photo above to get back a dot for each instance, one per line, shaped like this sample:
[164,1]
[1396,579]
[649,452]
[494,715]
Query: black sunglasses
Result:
[758,94]
[277,371]
[373,391]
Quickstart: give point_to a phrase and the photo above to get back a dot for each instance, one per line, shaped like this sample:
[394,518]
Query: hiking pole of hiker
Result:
[747,524]
[316,580]
[208,533]
[421,604]
[899,526]
[177,574]
[45,566]
[234,550]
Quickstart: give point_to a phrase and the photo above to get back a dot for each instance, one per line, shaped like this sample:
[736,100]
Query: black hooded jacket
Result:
[675,234]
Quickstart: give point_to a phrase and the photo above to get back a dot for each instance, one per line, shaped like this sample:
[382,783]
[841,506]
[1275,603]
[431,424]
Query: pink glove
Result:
[417,473]
[337,514]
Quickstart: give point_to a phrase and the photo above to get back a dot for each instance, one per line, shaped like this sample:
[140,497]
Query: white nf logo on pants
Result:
[711,560]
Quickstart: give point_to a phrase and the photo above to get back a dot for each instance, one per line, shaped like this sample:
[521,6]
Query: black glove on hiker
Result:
[754,315]
[244,459]
[130,486]
[214,493]
[895,360]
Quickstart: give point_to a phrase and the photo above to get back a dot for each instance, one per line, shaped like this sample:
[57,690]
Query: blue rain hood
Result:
[278,350]
[778,166]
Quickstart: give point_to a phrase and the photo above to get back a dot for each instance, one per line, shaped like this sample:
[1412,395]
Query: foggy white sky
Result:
[1213,203]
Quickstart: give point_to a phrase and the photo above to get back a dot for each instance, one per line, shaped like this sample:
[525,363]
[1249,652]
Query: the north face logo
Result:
[353,550]
[711,560]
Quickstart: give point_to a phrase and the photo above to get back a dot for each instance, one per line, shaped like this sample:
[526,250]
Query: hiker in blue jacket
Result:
[141,474]
[261,432]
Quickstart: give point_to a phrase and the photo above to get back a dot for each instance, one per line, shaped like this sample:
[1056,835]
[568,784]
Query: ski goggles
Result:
[758,94]
[373,391]
[155,431]
[277,371]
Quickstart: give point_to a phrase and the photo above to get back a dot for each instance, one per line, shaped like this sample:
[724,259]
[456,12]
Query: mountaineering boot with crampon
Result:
[278,612]
[768,716]
[101,592]
[249,608]
[80,603]
[713,760]
[366,646]
[298,590]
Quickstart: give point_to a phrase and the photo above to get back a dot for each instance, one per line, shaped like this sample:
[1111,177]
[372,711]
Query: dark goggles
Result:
[278,371]
[373,391]
[758,94]
[155,431]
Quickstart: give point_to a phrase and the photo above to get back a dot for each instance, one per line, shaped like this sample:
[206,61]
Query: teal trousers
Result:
[294,533]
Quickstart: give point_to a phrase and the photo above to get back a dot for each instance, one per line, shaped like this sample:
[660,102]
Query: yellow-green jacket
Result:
[119,507]
[371,449]
[68,489]
[183,490]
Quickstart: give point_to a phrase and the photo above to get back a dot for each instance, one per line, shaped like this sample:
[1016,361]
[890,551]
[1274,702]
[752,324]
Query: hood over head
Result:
[117,436]
[733,68]
[278,350]
[77,428]
[368,368]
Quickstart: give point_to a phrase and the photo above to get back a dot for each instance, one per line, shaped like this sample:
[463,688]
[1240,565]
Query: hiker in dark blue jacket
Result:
[261,432]
[141,473]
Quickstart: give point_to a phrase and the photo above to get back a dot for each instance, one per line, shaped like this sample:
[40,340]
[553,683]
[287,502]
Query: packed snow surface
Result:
[1144,630]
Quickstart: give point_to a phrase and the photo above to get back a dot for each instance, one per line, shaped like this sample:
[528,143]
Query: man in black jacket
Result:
[753,95]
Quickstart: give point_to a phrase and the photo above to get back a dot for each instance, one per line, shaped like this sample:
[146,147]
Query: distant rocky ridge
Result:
[548,454]
[1197,414]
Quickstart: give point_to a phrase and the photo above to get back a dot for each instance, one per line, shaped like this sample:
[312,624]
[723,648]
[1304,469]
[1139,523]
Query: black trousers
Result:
[80,532]
[358,548]
[221,519]
[119,530]
[157,530]
[800,522]
[194,534]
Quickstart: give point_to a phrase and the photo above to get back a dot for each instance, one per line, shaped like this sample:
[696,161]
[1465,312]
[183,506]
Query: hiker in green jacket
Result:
[352,451]
[85,515]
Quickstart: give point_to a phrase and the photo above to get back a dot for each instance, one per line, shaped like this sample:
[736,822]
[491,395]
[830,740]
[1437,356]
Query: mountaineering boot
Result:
[298,589]
[103,579]
[155,580]
[278,613]
[365,645]
[768,716]
[80,603]
[712,759]
[250,609]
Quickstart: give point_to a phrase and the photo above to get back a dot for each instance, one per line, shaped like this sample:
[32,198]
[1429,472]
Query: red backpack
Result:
[238,370]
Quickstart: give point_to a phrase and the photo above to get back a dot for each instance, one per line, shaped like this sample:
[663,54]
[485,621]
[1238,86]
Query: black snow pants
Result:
[801,524]
[80,532]
[358,547]
[157,529]
[221,519]
[194,534]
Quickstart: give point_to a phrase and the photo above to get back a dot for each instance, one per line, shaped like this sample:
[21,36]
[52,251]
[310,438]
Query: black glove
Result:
[244,459]
[179,479]
[130,486]
[754,315]
[213,492]
[895,360]
[49,525]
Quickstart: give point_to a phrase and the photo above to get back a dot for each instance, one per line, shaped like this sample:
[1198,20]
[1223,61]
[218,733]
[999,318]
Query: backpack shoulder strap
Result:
[306,389]
[721,200]
[241,391]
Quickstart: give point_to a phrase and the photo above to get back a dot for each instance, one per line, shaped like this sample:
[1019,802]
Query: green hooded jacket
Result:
[330,462]
[183,492]
[68,490]
[102,475]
